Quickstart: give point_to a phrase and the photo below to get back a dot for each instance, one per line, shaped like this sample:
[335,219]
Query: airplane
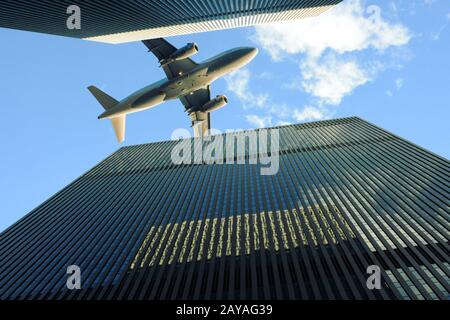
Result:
[186,80]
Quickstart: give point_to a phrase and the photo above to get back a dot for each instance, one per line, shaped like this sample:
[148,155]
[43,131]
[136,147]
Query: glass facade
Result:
[132,20]
[348,195]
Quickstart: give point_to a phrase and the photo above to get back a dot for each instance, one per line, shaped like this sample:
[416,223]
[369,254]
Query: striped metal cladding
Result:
[348,195]
[100,18]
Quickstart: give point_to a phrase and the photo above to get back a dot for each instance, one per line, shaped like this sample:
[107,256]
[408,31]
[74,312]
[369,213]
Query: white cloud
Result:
[399,83]
[328,50]
[429,2]
[332,79]
[238,83]
[259,121]
[308,113]
[283,123]
[324,44]
[265,75]
[348,27]
[437,35]
[270,113]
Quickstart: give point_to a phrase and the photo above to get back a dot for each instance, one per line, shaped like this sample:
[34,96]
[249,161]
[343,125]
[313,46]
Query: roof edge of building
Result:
[304,124]
[213,25]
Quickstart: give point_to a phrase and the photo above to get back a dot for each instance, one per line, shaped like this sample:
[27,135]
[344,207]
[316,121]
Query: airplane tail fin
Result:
[107,103]
[119,127]
[105,100]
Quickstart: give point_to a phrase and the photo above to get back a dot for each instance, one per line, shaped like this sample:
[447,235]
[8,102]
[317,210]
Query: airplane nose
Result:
[238,58]
[247,54]
[251,52]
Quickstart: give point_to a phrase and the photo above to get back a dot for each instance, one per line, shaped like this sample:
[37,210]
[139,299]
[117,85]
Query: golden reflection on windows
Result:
[282,229]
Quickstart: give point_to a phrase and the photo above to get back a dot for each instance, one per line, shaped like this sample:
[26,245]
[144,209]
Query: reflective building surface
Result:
[132,20]
[347,195]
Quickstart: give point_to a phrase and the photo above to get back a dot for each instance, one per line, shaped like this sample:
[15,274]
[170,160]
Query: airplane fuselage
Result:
[199,77]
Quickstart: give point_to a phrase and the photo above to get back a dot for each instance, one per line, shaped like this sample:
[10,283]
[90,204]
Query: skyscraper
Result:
[123,21]
[347,197]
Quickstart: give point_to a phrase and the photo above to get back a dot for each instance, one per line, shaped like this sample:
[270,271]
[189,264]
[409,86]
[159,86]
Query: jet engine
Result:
[215,104]
[184,52]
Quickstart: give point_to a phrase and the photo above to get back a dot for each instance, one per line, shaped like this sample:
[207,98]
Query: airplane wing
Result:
[162,49]
[201,121]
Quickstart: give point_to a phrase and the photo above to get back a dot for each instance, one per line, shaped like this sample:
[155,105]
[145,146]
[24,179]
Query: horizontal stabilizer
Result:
[119,127]
[105,100]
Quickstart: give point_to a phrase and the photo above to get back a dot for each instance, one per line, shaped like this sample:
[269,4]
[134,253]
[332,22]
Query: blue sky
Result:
[385,61]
